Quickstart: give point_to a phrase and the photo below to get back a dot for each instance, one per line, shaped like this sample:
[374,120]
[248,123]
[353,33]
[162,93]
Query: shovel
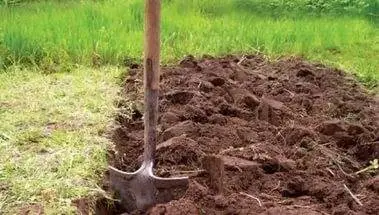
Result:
[141,190]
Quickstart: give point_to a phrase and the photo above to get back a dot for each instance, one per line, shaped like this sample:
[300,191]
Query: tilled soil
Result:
[291,136]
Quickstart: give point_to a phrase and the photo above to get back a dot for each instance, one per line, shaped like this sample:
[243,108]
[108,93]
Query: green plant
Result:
[374,166]
[107,32]
[51,138]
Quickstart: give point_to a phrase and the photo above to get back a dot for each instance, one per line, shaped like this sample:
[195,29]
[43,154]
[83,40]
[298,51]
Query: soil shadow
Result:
[291,135]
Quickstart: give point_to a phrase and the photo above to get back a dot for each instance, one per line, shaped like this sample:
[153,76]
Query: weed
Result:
[374,166]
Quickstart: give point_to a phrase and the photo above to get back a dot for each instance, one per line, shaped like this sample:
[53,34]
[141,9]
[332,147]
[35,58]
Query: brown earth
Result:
[32,209]
[291,135]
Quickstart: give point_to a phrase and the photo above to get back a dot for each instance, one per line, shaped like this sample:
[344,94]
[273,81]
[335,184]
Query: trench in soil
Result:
[290,133]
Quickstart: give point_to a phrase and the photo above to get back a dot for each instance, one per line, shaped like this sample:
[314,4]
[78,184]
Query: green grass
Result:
[48,34]
[51,136]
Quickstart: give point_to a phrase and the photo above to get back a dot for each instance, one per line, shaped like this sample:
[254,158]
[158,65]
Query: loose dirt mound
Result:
[291,135]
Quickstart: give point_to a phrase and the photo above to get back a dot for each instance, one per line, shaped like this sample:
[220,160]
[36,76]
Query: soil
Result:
[32,209]
[291,136]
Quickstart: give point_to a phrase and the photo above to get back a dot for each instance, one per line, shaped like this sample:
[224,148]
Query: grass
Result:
[54,106]
[48,34]
[51,136]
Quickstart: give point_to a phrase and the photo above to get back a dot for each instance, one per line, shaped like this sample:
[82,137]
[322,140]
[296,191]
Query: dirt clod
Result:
[331,127]
[178,151]
[179,97]
[295,188]
[239,163]
[214,165]
[374,184]
[290,211]
[181,128]
[175,208]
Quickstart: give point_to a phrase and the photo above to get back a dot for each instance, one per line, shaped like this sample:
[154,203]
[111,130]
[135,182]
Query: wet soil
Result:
[291,136]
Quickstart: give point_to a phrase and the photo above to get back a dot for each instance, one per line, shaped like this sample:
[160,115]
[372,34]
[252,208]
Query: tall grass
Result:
[110,32]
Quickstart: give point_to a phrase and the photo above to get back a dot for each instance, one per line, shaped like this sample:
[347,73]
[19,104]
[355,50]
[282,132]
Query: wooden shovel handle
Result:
[151,76]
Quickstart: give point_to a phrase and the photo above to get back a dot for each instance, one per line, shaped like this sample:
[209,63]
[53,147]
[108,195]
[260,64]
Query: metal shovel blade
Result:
[141,190]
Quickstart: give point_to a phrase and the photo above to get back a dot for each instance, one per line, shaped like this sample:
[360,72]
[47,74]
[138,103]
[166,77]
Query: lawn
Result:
[61,64]
[55,35]
[52,140]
